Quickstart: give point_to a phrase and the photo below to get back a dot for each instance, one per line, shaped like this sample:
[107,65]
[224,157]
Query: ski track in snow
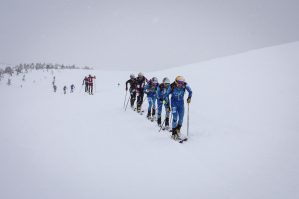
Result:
[243,134]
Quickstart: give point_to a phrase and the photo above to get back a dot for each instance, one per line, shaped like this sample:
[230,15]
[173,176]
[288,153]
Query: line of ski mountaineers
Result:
[158,96]
[64,88]
[87,81]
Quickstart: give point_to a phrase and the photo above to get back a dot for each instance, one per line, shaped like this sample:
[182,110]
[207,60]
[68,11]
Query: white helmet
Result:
[132,76]
[166,80]
[155,80]
[140,74]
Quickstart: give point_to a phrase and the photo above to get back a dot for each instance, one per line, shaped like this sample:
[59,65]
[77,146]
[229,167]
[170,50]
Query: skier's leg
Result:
[154,99]
[174,122]
[167,110]
[160,103]
[174,117]
[133,95]
[181,114]
[138,102]
[150,103]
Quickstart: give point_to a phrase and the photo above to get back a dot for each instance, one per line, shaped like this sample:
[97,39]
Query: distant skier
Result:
[72,88]
[53,82]
[85,81]
[151,90]
[133,85]
[55,88]
[177,90]
[90,84]
[64,89]
[161,91]
[141,80]
[118,84]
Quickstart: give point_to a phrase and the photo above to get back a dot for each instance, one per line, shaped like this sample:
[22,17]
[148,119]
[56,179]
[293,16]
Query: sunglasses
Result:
[180,82]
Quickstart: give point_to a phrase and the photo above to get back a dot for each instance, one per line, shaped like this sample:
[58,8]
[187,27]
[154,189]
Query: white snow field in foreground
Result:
[243,144]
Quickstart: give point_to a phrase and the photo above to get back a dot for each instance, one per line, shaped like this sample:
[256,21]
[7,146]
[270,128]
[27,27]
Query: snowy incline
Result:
[244,141]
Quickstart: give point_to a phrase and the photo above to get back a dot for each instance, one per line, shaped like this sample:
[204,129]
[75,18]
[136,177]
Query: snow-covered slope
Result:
[244,127]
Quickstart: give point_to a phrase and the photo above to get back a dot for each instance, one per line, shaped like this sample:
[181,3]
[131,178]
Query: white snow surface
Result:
[243,140]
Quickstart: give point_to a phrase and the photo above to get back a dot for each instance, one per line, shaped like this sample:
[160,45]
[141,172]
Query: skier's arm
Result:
[166,95]
[189,92]
[145,88]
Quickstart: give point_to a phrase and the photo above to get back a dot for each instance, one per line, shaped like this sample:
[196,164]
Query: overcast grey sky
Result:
[138,34]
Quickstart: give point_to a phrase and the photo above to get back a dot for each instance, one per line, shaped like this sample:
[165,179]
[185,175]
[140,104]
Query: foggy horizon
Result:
[140,35]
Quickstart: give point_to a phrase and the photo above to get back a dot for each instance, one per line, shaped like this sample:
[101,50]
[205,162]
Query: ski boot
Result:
[138,109]
[166,123]
[176,132]
[148,115]
[159,121]
[174,135]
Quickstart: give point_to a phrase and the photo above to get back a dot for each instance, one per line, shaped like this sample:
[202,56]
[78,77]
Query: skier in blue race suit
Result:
[177,90]
[151,90]
[161,91]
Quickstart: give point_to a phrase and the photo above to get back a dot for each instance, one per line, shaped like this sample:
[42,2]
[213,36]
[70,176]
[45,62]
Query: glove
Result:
[188,100]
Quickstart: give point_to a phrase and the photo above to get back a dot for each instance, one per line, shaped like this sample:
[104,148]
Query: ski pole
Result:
[127,103]
[125,98]
[162,125]
[188,122]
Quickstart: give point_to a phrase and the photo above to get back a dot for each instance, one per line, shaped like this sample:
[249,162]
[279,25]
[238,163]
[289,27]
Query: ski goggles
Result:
[180,82]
